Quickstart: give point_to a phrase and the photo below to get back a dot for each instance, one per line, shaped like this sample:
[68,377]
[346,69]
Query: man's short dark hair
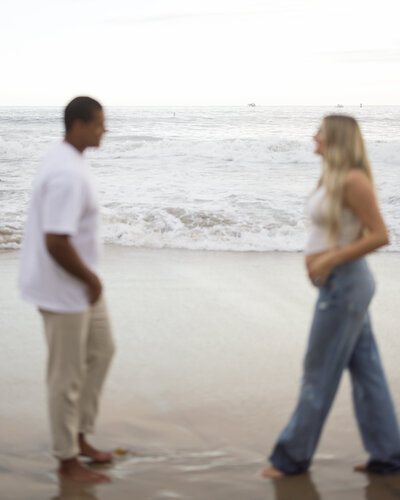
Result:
[80,108]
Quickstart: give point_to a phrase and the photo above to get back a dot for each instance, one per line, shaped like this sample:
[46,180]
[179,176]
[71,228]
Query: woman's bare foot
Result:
[272,473]
[360,468]
[86,450]
[72,469]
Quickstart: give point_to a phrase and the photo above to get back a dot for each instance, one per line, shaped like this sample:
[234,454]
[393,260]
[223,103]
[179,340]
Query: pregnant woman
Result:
[346,224]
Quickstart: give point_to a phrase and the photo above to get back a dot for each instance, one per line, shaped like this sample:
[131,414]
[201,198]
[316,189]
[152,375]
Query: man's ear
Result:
[77,125]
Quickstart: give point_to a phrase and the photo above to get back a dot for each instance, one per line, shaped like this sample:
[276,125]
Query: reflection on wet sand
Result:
[387,487]
[70,490]
[302,487]
[295,487]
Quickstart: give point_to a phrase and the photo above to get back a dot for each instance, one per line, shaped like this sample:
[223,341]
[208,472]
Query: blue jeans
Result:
[341,337]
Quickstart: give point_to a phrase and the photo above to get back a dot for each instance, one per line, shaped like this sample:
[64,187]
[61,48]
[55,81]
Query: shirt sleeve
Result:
[62,203]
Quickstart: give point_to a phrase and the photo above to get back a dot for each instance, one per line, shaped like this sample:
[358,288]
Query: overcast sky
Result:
[204,52]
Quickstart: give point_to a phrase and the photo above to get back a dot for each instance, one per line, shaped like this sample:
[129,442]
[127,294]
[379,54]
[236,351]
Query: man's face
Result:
[92,131]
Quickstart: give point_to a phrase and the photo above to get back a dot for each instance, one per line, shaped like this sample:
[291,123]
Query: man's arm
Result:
[64,253]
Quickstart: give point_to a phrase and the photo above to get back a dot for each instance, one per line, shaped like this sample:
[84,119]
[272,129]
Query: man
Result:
[58,274]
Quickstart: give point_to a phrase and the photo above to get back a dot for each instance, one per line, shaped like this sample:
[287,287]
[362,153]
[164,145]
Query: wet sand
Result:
[210,346]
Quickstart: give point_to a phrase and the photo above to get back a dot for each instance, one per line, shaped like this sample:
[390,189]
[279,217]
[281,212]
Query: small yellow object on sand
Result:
[120,451]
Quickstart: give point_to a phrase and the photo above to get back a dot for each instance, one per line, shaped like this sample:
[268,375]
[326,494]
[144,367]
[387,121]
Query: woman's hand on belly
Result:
[319,266]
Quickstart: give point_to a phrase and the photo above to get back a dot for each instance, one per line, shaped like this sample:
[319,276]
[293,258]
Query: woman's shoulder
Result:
[355,177]
[356,185]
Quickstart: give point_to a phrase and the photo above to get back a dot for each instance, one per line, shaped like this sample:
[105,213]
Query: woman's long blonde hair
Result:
[343,149]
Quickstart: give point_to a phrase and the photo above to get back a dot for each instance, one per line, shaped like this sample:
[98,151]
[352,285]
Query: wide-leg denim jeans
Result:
[341,337]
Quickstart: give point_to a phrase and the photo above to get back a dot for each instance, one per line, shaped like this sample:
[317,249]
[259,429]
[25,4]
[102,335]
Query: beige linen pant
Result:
[80,348]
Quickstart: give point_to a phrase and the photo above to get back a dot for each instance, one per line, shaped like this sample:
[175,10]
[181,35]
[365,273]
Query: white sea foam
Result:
[206,178]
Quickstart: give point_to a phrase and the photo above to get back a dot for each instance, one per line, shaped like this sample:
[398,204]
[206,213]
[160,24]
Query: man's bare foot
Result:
[72,469]
[360,468]
[272,473]
[86,450]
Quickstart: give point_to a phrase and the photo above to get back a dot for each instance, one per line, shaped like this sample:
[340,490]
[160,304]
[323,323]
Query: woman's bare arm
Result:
[359,195]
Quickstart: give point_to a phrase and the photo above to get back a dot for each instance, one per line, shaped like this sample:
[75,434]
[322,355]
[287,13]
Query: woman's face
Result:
[319,139]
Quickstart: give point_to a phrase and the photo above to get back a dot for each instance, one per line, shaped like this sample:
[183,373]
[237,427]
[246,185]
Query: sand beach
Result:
[210,346]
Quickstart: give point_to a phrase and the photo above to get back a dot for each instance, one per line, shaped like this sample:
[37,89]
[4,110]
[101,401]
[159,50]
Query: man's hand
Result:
[64,253]
[94,288]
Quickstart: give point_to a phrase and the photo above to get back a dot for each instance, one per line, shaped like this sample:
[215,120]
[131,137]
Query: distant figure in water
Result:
[58,274]
[346,225]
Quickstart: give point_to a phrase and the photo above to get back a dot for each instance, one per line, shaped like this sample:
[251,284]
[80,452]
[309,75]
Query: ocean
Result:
[200,178]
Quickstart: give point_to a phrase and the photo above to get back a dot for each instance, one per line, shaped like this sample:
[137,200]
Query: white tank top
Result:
[318,241]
